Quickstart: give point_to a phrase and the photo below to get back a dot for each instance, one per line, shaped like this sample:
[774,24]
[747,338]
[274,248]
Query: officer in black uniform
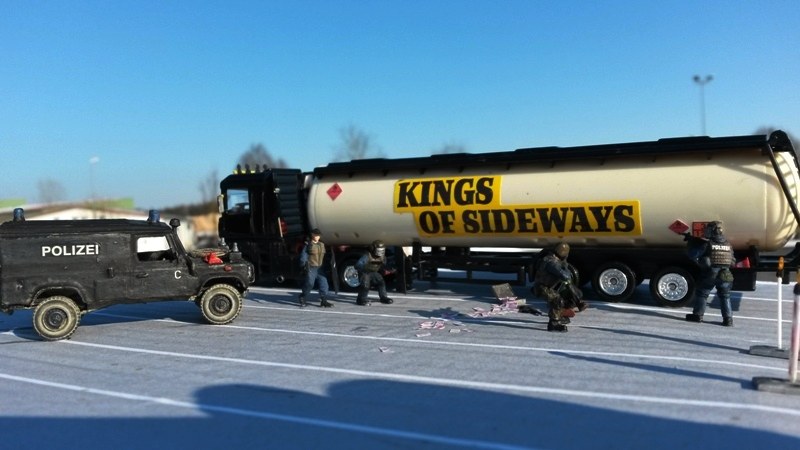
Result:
[311,259]
[714,254]
[554,282]
[370,268]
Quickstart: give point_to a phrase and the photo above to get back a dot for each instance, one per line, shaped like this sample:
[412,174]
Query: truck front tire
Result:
[56,318]
[221,304]
[349,279]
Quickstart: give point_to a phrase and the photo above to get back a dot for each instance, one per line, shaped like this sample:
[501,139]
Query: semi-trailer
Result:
[621,207]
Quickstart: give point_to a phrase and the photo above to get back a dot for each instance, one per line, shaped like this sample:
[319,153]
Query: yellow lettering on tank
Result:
[464,206]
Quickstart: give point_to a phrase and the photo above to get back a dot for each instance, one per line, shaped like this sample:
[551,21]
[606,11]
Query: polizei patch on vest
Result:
[462,206]
[71,250]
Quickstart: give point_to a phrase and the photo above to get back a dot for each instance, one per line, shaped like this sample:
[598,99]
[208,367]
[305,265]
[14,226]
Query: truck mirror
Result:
[221,203]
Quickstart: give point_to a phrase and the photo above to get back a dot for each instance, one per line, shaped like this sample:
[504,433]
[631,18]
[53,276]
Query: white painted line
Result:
[463,344]
[344,426]
[427,296]
[458,383]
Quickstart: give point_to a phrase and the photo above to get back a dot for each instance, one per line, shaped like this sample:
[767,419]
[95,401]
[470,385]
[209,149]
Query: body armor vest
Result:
[721,254]
[374,263]
[316,253]
[545,277]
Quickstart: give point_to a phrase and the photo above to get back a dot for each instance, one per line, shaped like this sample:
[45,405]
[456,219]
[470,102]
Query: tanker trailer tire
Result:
[349,280]
[614,281]
[672,287]
[56,318]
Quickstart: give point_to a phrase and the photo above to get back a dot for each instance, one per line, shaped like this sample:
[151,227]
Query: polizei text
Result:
[471,206]
[71,250]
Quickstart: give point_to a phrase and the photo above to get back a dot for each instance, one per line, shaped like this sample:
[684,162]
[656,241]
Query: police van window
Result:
[153,248]
[238,201]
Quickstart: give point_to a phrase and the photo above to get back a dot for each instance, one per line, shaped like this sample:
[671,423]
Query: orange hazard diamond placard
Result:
[678,227]
[334,191]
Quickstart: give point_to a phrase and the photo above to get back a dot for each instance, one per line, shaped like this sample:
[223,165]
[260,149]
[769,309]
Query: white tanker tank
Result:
[620,195]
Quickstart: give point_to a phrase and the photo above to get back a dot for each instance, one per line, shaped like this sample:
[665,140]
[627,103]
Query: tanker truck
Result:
[621,207]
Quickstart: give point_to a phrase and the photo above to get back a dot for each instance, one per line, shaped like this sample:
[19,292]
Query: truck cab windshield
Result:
[238,201]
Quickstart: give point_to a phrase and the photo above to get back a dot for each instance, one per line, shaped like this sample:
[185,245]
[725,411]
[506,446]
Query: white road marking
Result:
[503,387]
[466,344]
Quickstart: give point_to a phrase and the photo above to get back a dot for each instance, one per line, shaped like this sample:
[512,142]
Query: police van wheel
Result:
[221,304]
[56,318]
[614,282]
[672,287]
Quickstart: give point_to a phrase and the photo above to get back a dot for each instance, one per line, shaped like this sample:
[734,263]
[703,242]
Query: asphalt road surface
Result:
[441,368]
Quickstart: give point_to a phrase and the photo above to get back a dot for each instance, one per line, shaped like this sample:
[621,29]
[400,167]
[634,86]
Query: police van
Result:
[63,269]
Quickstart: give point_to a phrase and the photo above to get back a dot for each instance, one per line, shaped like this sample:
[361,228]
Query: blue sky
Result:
[165,92]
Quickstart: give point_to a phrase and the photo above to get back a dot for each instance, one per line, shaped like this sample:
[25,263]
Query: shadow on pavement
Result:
[378,414]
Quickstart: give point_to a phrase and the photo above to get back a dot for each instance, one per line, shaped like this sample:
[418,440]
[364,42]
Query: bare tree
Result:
[259,156]
[209,189]
[451,147]
[50,191]
[356,144]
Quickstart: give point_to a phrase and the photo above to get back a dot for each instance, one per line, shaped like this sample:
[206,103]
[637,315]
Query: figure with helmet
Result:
[714,256]
[311,260]
[556,281]
[370,268]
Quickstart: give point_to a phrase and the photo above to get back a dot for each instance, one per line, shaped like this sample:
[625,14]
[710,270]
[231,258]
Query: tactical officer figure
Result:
[553,281]
[714,255]
[311,259]
[370,268]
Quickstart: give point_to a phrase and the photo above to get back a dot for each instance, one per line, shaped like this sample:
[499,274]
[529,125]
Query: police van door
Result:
[158,273]
[114,259]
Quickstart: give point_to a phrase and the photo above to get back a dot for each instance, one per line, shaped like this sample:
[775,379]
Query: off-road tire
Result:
[56,318]
[221,304]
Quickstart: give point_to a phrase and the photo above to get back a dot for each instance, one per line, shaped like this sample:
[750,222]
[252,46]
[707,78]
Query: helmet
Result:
[562,250]
[713,230]
[377,248]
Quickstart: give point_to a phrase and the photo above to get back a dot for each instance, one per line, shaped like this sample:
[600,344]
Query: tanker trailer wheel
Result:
[349,280]
[220,304]
[614,281]
[672,287]
[56,318]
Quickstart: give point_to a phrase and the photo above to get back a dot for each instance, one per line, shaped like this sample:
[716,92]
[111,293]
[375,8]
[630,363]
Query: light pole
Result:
[92,162]
[702,81]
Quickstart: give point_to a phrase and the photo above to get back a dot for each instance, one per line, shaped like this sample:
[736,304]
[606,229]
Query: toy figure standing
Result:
[714,254]
[554,281]
[370,268]
[311,259]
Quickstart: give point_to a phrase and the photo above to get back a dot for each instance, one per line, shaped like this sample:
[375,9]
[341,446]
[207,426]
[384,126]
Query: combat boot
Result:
[555,326]
[694,318]
[727,322]
[387,300]
[324,303]
[302,301]
[362,302]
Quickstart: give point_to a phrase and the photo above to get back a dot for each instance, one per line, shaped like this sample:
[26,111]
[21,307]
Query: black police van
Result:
[63,269]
